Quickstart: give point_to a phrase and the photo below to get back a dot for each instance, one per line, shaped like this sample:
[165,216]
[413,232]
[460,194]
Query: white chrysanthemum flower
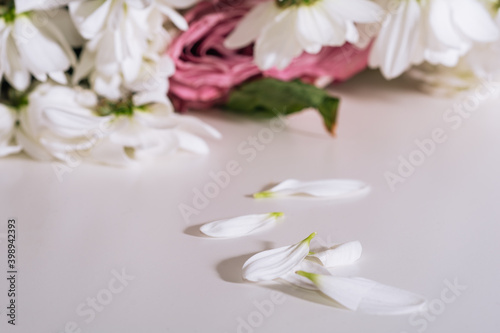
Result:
[126,42]
[283,29]
[240,226]
[31,44]
[146,126]
[57,122]
[436,31]
[7,129]
[325,188]
[118,36]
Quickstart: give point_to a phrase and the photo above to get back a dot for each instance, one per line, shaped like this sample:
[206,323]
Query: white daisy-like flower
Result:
[126,42]
[31,44]
[283,29]
[436,31]
[325,188]
[7,129]
[118,36]
[57,122]
[146,126]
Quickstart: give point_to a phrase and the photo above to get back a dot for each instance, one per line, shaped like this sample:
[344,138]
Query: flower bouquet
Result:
[110,80]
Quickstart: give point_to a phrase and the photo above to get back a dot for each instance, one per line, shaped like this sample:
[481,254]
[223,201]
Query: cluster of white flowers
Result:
[402,33]
[108,102]
[74,70]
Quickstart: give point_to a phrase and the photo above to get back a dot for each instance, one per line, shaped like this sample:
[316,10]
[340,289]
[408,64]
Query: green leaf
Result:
[270,97]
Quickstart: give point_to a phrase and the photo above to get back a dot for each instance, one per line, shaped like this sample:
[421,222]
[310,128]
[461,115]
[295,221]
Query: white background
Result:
[441,224]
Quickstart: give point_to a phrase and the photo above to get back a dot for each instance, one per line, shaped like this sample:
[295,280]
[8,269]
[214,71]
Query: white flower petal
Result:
[361,11]
[397,46]
[166,144]
[275,263]
[84,66]
[175,17]
[240,226]
[9,150]
[275,49]
[251,25]
[89,16]
[332,188]
[62,20]
[32,147]
[191,143]
[44,50]
[195,125]
[15,71]
[339,255]
[442,25]
[316,28]
[474,21]
[365,295]
[108,152]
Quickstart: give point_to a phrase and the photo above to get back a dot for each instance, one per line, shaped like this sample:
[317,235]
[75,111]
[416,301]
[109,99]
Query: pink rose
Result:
[206,71]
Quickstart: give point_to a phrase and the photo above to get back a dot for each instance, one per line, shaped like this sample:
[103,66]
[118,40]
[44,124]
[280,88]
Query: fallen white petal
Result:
[239,226]
[275,263]
[331,188]
[339,255]
[365,295]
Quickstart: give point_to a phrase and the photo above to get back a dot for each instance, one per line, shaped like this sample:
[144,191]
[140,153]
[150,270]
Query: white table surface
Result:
[441,224]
